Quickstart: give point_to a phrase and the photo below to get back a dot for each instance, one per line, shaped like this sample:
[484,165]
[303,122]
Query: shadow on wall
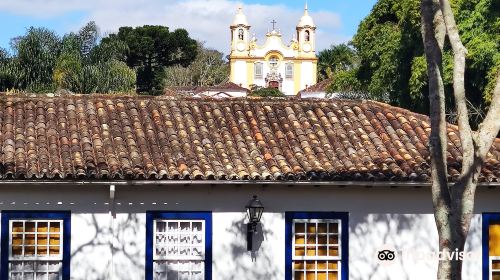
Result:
[102,241]
[410,234]
[257,264]
[369,234]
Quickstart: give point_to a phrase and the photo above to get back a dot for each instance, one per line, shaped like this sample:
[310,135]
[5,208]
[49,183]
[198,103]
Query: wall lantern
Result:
[254,212]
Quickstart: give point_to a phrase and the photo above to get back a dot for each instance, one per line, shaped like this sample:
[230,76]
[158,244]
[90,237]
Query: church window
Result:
[241,34]
[289,70]
[273,62]
[259,70]
[308,36]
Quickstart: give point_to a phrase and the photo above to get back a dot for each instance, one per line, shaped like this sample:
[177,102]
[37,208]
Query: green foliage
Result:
[257,91]
[335,59]
[35,60]
[346,83]
[208,69]
[7,78]
[86,67]
[392,64]
[151,48]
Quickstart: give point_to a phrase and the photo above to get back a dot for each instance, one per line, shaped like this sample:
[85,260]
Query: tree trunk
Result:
[453,203]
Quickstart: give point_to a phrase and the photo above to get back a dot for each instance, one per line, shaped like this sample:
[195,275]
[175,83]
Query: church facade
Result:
[288,67]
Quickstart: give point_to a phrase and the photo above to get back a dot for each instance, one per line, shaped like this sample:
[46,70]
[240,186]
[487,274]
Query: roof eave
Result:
[368,184]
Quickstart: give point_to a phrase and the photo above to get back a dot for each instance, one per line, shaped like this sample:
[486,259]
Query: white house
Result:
[113,187]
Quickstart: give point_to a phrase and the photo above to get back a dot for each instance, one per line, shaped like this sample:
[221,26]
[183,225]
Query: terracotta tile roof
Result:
[319,87]
[229,86]
[113,137]
[193,90]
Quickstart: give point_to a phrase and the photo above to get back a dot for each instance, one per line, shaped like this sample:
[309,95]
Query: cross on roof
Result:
[274,23]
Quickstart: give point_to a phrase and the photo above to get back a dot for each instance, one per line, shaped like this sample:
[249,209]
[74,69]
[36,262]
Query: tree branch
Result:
[460,53]
[433,36]
[489,128]
[432,31]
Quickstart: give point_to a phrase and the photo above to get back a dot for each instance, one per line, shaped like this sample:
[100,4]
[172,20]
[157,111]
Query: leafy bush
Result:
[266,92]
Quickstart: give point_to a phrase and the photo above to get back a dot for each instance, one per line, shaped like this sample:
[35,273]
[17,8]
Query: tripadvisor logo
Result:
[388,255]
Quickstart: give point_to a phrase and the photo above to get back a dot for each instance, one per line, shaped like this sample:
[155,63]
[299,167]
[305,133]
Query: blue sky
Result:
[206,20]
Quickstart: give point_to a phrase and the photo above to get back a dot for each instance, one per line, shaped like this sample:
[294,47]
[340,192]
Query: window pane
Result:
[495,264]
[300,228]
[300,251]
[311,239]
[29,227]
[332,275]
[311,251]
[17,239]
[43,227]
[299,239]
[299,275]
[321,275]
[311,228]
[322,228]
[322,240]
[322,251]
[17,251]
[55,227]
[17,227]
[494,242]
[333,239]
[334,228]
[55,239]
[333,251]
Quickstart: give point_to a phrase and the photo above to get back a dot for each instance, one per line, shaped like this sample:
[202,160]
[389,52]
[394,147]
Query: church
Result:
[290,68]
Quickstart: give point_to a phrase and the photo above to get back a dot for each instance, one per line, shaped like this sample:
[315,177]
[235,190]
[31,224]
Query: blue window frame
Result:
[166,253]
[316,243]
[491,234]
[40,255]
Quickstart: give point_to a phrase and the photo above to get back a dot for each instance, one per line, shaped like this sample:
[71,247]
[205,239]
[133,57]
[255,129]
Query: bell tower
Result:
[240,34]
[306,34]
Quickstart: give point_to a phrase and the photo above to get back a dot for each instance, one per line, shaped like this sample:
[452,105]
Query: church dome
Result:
[240,18]
[306,19]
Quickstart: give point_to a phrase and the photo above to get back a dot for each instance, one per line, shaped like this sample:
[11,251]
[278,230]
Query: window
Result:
[273,62]
[178,246]
[317,246]
[491,246]
[241,34]
[289,70]
[35,245]
[308,36]
[258,70]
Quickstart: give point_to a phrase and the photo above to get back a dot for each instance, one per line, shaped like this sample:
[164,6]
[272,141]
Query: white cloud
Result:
[206,20]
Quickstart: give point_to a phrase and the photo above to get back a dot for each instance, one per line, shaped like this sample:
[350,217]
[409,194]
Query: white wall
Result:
[306,80]
[240,78]
[106,248]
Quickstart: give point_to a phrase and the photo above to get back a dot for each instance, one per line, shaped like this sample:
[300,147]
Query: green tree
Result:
[208,69]
[87,67]
[151,48]
[7,78]
[35,58]
[337,58]
[392,64]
